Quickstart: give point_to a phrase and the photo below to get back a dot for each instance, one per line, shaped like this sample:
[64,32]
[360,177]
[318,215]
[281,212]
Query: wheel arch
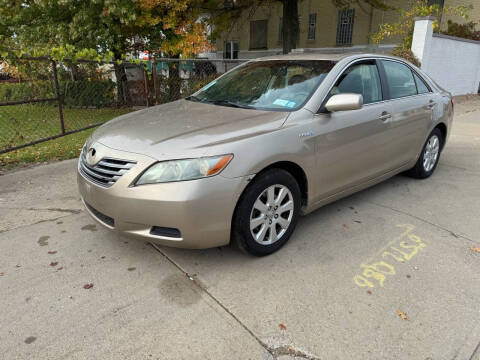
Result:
[295,170]
[443,129]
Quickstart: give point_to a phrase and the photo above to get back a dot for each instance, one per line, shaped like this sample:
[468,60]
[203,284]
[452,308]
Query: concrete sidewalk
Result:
[313,299]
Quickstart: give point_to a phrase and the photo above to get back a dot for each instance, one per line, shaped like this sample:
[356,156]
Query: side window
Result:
[400,79]
[421,86]
[360,79]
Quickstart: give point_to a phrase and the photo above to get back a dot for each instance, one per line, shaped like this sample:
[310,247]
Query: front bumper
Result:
[201,209]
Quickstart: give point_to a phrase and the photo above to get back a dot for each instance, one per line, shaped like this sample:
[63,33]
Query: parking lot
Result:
[392,272]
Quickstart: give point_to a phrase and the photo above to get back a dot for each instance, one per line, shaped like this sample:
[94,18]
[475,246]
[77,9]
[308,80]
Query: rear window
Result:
[421,86]
[400,79]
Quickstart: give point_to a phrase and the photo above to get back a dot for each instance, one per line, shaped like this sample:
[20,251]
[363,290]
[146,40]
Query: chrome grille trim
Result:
[106,172]
[116,163]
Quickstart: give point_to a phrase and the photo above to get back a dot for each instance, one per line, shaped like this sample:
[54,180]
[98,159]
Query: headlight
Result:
[188,169]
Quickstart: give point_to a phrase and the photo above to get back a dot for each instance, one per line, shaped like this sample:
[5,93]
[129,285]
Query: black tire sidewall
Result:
[242,217]
[420,169]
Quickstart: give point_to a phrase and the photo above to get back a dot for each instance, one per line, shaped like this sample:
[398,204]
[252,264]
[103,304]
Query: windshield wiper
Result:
[231,104]
[219,102]
[193,98]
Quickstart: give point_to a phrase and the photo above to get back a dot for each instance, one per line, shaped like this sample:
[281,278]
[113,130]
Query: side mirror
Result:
[344,102]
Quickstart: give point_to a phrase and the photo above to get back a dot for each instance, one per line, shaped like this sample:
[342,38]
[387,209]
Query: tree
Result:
[85,29]
[101,30]
[403,27]
[290,26]
[182,32]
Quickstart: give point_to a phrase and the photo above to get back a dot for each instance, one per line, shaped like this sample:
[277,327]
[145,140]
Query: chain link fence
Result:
[52,99]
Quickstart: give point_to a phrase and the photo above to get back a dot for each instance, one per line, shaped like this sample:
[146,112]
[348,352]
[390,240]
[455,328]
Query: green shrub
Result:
[465,31]
[406,54]
[26,90]
[97,93]
[82,93]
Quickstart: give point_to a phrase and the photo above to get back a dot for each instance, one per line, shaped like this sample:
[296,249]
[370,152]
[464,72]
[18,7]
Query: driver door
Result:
[350,149]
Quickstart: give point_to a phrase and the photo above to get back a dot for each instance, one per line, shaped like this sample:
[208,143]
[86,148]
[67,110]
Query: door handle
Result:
[431,104]
[385,116]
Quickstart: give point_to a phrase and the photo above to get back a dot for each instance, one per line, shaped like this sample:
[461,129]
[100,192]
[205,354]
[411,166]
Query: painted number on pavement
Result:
[400,250]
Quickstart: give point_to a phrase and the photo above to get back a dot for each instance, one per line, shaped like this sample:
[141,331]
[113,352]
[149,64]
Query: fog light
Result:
[165,231]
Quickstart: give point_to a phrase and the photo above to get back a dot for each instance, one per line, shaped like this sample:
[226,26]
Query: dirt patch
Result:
[178,289]
[43,240]
[30,339]
[90,227]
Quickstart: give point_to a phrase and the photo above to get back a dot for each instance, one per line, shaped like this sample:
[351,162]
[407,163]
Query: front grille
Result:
[102,217]
[106,172]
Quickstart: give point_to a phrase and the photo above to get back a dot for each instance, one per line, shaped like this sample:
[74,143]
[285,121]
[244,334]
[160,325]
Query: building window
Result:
[230,50]
[258,34]
[345,26]
[312,25]
[280,29]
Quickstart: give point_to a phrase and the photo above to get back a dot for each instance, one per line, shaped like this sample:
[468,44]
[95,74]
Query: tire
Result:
[428,160]
[254,205]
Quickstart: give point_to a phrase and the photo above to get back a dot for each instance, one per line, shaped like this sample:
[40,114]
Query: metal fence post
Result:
[59,96]
[147,89]
[155,81]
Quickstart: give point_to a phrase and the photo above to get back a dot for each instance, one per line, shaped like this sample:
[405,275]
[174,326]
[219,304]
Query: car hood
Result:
[184,128]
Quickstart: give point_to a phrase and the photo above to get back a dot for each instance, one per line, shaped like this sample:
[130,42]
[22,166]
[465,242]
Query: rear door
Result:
[412,103]
[351,144]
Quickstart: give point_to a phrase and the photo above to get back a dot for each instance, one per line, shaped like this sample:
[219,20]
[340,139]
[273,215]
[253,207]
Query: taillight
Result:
[451,102]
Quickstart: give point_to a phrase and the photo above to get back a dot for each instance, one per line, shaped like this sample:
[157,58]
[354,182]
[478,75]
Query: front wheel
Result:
[267,213]
[428,159]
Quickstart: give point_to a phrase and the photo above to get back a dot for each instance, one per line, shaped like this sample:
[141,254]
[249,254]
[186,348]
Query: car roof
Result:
[320,56]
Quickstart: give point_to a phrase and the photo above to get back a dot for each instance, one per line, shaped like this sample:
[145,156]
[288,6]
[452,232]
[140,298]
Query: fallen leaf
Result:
[60,268]
[402,314]
[88,286]
[476,249]
[54,263]
[369,292]
[52,252]
[346,226]
[282,327]
[1,273]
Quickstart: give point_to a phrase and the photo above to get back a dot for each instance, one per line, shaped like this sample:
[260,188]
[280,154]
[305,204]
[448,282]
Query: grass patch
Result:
[66,147]
[20,124]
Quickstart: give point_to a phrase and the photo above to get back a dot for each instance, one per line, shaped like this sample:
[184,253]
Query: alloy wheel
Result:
[271,214]
[431,152]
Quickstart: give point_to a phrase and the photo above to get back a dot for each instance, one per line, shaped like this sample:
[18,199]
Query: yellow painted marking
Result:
[375,270]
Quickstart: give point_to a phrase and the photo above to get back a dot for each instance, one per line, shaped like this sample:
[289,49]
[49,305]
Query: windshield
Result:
[267,85]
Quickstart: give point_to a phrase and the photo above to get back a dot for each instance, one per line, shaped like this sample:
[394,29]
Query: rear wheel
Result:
[267,213]
[428,159]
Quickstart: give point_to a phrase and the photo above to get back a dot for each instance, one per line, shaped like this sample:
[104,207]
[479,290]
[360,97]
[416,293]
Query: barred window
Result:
[258,34]
[312,25]
[345,26]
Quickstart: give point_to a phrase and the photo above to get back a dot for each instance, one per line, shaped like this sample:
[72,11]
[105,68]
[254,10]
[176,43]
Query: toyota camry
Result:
[275,138]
